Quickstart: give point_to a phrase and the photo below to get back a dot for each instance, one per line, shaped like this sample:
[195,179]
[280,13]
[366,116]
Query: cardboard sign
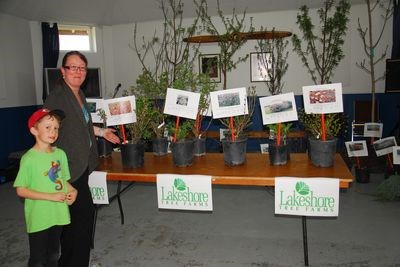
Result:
[307,196]
[181,103]
[323,98]
[184,192]
[120,110]
[98,187]
[278,108]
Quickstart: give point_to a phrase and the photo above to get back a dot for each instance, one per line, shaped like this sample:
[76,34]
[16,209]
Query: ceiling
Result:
[113,12]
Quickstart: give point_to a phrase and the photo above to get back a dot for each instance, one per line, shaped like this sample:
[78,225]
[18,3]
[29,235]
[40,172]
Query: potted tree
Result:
[235,143]
[104,147]
[279,148]
[322,153]
[182,146]
[132,151]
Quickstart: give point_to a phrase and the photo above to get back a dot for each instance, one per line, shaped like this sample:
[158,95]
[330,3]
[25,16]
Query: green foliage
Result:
[274,62]
[302,188]
[140,130]
[184,130]
[179,184]
[389,189]
[102,114]
[325,49]
[335,124]
[285,129]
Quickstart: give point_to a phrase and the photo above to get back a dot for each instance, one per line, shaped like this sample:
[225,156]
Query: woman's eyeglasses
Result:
[75,68]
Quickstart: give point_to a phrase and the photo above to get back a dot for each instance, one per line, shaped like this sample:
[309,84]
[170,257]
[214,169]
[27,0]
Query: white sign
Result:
[396,155]
[229,103]
[120,110]
[384,145]
[93,106]
[98,187]
[372,129]
[182,103]
[323,98]
[184,192]
[357,148]
[278,108]
[307,196]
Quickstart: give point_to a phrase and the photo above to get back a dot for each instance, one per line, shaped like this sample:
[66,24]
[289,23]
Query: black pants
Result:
[44,247]
[76,238]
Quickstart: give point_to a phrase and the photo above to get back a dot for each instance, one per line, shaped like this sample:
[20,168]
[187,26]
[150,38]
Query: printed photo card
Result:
[384,146]
[229,103]
[323,99]
[278,108]
[357,148]
[372,129]
[182,103]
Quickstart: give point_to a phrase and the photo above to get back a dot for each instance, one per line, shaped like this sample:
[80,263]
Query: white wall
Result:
[21,56]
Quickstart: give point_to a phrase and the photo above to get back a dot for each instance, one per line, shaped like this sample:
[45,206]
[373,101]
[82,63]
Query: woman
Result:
[77,139]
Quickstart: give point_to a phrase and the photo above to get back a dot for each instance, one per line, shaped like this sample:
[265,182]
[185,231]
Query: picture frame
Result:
[258,70]
[278,108]
[181,103]
[210,64]
[357,148]
[323,98]
[229,103]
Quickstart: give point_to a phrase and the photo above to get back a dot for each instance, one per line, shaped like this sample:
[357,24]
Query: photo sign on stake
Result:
[182,103]
[384,146]
[357,148]
[373,129]
[278,108]
[307,196]
[229,103]
[396,155]
[118,110]
[323,98]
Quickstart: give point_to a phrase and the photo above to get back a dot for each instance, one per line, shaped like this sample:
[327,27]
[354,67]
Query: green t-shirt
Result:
[44,172]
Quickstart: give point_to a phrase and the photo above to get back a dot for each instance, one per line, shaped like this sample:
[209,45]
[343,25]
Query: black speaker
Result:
[392,83]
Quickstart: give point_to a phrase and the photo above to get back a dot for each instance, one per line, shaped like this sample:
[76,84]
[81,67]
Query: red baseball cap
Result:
[38,114]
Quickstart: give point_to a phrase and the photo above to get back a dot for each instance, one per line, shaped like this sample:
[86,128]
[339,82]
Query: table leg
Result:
[305,245]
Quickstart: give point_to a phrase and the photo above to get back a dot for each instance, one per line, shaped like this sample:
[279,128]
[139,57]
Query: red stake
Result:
[323,127]
[279,134]
[176,127]
[232,130]
[123,133]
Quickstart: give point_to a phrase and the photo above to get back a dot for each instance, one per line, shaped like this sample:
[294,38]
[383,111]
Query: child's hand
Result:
[58,197]
[71,197]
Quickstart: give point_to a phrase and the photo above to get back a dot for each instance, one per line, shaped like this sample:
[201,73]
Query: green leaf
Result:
[302,188]
[179,184]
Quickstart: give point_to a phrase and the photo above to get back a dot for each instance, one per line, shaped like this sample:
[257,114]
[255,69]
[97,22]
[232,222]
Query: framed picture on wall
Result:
[259,65]
[209,63]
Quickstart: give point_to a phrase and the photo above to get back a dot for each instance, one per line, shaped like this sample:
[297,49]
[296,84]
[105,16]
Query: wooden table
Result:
[255,172]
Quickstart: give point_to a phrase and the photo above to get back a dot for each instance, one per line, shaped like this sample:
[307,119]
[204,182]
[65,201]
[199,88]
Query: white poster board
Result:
[323,98]
[181,103]
[184,192]
[278,108]
[396,155]
[373,129]
[98,187]
[120,110]
[384,146]
[229,103]
[357,148]
[307,196]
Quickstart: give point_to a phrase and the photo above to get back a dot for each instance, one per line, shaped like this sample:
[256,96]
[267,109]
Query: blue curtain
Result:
[50,49]
[396,31]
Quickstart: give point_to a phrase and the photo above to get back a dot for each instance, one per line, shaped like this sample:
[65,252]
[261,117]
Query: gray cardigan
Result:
[76,137]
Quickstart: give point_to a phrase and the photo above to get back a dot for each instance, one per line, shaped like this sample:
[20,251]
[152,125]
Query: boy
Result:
[42,182]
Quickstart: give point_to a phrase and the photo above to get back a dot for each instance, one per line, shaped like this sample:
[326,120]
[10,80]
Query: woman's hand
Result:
[110,136]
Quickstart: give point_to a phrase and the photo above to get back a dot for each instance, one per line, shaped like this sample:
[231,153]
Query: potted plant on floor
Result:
[132,151]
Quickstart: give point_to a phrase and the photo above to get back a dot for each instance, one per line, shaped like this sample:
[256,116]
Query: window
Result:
[77,37]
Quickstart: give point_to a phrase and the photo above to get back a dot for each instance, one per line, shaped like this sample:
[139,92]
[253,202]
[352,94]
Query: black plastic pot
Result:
[104,147]
[234,151]
[182,152]
[322,152]
[278,155]
[199,146]
[132,155]
[362,175]
[160,146]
